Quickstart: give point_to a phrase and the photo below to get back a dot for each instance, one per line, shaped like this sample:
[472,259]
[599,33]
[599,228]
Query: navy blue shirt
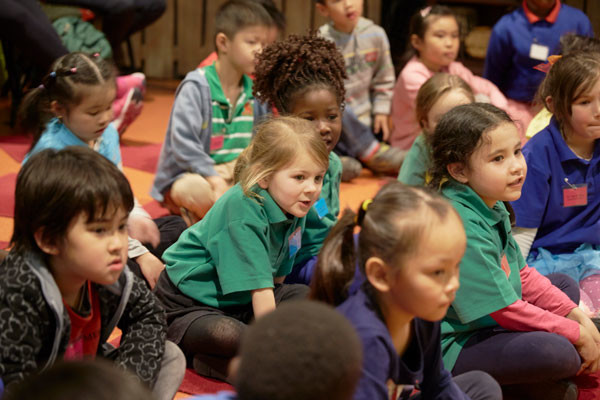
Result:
[420,366]
[549,162]
[507,61]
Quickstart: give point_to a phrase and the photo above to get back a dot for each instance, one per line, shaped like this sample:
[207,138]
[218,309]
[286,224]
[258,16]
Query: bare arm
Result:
[263,301]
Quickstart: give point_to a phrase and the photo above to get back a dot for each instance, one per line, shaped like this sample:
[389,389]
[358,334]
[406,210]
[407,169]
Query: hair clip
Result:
[41,86]
[425,12]
[365,204]
[96,55]
[52,74]
[73,70]
[545,67]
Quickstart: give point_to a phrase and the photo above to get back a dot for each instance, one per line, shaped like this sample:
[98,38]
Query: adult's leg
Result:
[170,228]
[519,357]
[170,376]
[24,23]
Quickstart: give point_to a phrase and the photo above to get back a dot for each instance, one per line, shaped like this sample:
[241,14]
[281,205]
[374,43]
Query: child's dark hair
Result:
[235,15]
[571,76]
[63,84]
[82,380]
[572,42]
[418,25]
[295,65]
[275,14]
[288,355]
[53,187]
[459,133]
[391,228]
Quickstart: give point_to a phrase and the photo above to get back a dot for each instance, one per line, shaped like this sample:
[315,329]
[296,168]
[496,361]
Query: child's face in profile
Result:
[445,103]
[439,45]
[88,119]
[343,13]
[245,45]
[584,123]
[424,286]
[297,186]
[497,168]
[94,251]
[322,108]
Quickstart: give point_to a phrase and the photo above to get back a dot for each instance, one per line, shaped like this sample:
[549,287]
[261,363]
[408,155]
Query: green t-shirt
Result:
[231,125]
[417,162]
[323,214]
[240,245]
[489,271]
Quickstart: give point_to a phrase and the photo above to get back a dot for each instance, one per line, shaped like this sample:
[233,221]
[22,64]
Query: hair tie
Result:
[73,70]
[365,204]
[52,74]
[545,67]
[41,86]
[425,12]
[96,55]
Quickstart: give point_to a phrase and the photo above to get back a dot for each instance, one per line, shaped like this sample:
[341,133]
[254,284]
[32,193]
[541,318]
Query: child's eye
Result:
[99,230]
[517,152]
[498,158]
[318,178]
[308,118]
[93,113]
[333,117]
[122,227]
[439,272]
[299,177]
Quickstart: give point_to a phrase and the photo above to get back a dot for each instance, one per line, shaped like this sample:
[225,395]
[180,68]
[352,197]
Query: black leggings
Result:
[212,340]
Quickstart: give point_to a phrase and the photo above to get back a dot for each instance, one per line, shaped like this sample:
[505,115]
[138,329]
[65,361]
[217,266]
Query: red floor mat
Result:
[196,384]
[15,146]
[589,386]
[7,194]
[143,157]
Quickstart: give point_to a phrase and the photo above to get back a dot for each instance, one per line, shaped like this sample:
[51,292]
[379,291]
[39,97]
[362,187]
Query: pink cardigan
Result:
[413,75]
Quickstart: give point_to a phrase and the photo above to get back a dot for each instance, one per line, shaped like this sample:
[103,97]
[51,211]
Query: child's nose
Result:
[323,127]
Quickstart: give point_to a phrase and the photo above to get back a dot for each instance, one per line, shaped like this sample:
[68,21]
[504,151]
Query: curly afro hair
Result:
[290,67]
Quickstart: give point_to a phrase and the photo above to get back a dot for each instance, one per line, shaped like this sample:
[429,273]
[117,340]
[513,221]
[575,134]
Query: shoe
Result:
[351,168]
[127,109]
[385,160]
[131,81]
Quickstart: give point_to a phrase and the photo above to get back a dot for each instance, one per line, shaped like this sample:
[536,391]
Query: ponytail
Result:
[336,264]
[34,112]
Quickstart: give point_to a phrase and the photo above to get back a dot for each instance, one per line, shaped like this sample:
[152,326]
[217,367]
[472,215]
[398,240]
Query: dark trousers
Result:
[121,18]
[522,357]
[25,25]
[356,137]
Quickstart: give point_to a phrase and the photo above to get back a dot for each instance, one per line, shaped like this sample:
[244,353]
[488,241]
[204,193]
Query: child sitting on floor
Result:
[409,248]
[313,90]
[213,115]
[229,268]
[64,286]
[436,97]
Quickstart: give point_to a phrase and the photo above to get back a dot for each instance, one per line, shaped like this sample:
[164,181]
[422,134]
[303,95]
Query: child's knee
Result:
[194,193]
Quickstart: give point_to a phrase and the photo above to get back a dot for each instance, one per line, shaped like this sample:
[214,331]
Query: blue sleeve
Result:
[190,130]
[498,57]
[531,206]
[437,382]
[377,357]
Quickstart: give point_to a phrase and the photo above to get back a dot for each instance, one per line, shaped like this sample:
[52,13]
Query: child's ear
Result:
[322,9]
[458,171]
[416,42]
[376,271]
[425,124]
[264,183]
[221,42]
[58,109]
[549,103]
[44,244]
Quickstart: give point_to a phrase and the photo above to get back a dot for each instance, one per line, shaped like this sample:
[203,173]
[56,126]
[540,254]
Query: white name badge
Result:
[539,52]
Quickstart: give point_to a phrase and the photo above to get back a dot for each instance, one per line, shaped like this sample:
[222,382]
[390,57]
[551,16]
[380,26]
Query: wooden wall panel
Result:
[183,35]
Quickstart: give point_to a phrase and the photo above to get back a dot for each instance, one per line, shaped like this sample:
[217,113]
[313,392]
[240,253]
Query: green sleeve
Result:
[415,165]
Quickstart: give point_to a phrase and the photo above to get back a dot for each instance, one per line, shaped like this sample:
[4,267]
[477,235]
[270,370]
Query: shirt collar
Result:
[274,213]
[532,18]
[466,196]
[216,90]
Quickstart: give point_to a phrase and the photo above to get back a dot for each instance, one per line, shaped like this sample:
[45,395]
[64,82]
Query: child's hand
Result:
[588,351]
[143,229]
[219,186]
[151,267]
[382,124]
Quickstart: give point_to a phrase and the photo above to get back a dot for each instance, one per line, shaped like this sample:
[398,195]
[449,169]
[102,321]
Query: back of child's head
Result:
[276,144]
[302,350]
[436,87]
[277,17]
[288,68]
[236,15]
[392,226]
[56,186]
[65,84]
[572,42]
[459,133]
[571,76]
[80,380]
